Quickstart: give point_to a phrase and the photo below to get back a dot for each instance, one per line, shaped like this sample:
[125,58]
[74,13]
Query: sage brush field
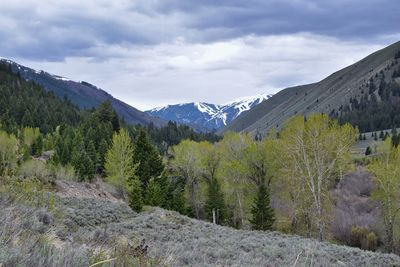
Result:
[80,232]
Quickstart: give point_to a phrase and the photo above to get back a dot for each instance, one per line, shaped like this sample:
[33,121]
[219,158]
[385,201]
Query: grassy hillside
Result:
[55,229]
[334,95]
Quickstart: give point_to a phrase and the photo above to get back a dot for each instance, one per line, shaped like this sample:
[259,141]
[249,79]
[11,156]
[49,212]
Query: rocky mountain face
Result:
[82,94]
[366,94]
[205,116]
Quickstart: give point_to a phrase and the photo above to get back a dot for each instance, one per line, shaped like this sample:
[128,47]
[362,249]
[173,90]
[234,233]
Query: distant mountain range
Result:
[366,94]
[205,116]
[82,94]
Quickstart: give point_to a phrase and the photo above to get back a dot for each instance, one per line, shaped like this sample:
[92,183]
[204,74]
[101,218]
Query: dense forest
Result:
[26,104]
[378,108]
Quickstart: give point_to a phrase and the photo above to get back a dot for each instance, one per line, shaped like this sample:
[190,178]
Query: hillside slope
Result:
[83,94]
[70,233]
[23,103]
[359,83]
[204,116]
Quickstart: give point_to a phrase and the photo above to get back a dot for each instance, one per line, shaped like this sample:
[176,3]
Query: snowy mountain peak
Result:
[208,116]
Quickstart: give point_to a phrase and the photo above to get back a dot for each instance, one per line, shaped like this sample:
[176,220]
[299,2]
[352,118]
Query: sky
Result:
[151,53]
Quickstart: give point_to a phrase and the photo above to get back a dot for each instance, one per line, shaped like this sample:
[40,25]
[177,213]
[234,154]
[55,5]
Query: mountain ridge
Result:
[333,95]
[207,116]
[83,94]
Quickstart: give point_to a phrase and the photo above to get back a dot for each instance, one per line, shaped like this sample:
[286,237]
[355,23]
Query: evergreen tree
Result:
[102,151]
[149,161]
[368,151]
[154,194]
[91,153]
[135,193]
[172,191]
[395,140]
[37,146]
[215,202]
[82,164]
[386,136]
[263,214]
[381,135]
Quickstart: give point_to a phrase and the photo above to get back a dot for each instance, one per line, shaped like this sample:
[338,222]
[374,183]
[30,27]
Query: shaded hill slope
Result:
[24,103]
[83,94]
[353,88]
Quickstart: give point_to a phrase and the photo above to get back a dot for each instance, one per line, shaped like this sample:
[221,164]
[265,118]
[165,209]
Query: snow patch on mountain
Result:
[208,116]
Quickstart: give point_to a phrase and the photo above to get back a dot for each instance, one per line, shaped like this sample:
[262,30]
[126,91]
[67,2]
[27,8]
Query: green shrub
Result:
[368,151]
[30,192]
[35,169]
[65,173]
[363,238]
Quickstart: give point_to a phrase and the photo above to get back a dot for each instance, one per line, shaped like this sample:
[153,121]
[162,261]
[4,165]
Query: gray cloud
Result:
[150,53]
[55,30]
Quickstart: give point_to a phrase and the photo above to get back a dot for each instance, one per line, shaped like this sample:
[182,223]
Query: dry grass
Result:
[83,232]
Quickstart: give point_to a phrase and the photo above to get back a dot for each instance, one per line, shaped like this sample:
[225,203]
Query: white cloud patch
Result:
[217,72]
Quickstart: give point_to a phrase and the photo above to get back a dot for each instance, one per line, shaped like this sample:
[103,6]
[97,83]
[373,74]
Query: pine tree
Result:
[101,154]
[368,151]
[381,135]
[215,202]
[135,193]
[263,214]
[395,140]
[154,194]
[91,153]
[148,160]
[172,191]
[37,146]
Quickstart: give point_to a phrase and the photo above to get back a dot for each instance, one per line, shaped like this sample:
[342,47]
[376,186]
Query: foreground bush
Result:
[363,238]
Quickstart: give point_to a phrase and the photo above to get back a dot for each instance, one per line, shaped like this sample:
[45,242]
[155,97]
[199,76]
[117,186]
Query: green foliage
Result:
[368,151]
[148,160]
[386,169]
[29,192]
[263,213]
[135,197]
[173,189]
[395,139]
[154,194]
[35,169]
[8,153]
[368,112]
[85,146]
[26,104]
[81,160]
[119,165]
[363,238]
[215,202]
[172,134]
[313,155]
[37,146]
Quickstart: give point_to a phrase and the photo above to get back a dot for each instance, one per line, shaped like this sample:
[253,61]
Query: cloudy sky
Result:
[155,52]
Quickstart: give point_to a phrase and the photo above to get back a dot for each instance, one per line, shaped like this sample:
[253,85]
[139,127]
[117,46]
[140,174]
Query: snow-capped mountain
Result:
[207,116]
